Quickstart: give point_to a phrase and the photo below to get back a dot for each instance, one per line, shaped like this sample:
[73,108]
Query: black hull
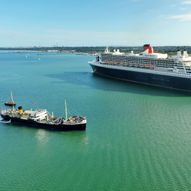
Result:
[51,127]
[158,80]
[10,104]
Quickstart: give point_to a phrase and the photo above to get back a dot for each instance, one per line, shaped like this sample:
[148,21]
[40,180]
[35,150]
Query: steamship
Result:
[147,67]
[41,118]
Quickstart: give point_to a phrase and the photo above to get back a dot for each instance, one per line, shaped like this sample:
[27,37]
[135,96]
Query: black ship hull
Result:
[51,127]
[141,77]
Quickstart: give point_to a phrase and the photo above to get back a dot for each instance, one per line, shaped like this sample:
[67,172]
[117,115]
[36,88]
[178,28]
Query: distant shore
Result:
[94,50]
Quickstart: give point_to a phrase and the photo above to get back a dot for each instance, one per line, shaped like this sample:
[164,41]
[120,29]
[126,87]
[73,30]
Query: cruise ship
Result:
[147,67]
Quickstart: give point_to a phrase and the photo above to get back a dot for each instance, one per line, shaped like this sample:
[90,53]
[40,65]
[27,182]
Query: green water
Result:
[137,138]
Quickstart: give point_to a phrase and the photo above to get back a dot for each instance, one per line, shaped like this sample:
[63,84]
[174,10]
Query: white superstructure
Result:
[148,59]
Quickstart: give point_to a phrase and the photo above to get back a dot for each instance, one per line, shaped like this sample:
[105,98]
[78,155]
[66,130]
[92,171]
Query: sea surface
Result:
[137,138]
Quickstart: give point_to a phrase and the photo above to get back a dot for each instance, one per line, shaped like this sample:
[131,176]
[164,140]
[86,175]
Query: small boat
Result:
[5,122]
[41,118]
[11,103]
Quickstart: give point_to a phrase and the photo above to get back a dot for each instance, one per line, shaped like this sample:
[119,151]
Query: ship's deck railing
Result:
[144,62]
[180,71]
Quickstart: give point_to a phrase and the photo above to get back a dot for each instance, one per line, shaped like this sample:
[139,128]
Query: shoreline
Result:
[94,50]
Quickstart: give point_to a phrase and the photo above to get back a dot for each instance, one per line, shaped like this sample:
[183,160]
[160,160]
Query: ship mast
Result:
[66,112]
[12,101]
[12,97]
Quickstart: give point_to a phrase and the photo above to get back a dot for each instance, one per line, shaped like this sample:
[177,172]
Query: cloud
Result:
[184,11]
[182,17]
[186,2]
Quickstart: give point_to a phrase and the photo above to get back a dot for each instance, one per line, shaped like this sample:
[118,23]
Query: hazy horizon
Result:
[93,46]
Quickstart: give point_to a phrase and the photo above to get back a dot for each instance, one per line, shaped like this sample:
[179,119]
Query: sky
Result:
[95,22]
